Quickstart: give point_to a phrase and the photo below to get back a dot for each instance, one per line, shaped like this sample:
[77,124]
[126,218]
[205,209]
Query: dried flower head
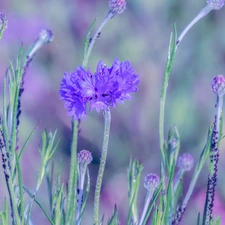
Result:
[117,6]
[216,4]
[185,162]
[218,85]
[84,157]
[104,89]
[151,182]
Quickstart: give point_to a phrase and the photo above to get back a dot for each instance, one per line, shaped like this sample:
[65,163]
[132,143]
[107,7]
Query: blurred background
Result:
[140,35]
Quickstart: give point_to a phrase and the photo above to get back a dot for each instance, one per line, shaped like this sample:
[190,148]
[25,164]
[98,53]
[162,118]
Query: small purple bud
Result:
[218,85]
[46,36]
[185,162]
[117,6]
[216,4]
[84,157]
[151,182]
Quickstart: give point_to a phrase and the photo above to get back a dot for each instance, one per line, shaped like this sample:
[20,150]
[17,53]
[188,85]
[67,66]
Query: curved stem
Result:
[107,116]
[201,14]
[96,35]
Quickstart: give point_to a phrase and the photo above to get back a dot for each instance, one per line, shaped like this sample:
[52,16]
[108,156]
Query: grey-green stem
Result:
[96,35]
[147,202]
[201,14]
[107,117]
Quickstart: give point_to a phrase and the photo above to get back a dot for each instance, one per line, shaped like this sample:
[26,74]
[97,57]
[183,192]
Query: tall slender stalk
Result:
[214,158]
[107,116]
[73,174]
[170,60]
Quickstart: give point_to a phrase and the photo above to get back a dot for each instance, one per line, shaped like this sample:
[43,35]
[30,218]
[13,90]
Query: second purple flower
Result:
[104,89]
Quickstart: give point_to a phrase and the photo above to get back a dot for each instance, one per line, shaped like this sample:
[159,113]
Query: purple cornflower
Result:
[104,89]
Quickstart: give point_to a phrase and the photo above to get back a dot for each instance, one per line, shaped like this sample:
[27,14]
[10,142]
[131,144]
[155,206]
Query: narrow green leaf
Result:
[88,37]
[114,220]
[26,142]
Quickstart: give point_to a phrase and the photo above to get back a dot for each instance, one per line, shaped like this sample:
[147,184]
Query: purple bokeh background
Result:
[140,35]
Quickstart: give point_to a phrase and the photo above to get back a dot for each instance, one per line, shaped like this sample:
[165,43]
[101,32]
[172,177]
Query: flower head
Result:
[216,4]
[45,36]
[185,162]
[117,6]
[151,182]
[84,157]
[218,85]
[104,89]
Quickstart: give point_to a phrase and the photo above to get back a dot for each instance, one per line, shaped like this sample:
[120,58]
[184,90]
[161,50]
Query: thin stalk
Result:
[96,35]
[201,14]
[198,168]
[147,202]
[170,60]
[107,116]
[214,158]
[71,203]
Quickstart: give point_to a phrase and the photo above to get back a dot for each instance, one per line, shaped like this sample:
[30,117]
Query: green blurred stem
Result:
[96,35]
[147,202]
[72,188]
[107,116]
[201,14]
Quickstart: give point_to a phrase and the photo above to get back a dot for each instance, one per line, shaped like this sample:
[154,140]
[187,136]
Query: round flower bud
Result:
[84,157]
[46,36]
[185,162]
[117,6]
[216,4]
[218,85]
[151,182]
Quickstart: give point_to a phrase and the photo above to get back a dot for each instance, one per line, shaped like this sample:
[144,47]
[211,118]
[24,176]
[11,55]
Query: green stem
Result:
[71,203]
[170,60]
[96,35]
[107,116]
